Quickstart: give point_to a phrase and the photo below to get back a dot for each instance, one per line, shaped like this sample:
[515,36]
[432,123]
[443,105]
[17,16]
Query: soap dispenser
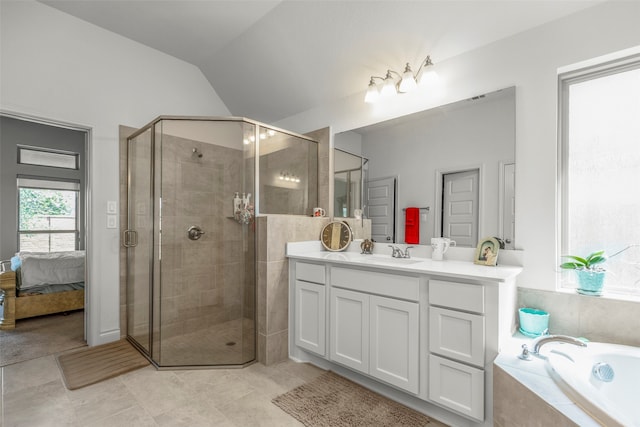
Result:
[236,203]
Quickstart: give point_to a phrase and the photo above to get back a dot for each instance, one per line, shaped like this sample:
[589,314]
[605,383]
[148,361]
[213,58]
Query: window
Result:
[45,157]
[600,169]
[47,215]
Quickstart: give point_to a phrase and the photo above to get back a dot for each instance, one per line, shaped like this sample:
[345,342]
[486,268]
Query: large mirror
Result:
[454,163]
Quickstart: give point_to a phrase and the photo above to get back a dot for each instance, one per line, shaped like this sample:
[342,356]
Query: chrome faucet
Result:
[526,353]
[555,338]
[398,253]
[406,252]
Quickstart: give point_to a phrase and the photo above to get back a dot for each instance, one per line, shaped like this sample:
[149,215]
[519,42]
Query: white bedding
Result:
[51,268]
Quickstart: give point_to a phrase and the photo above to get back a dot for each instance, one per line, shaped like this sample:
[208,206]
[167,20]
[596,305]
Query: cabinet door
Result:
[310,317]
[457,335]
[394,342]
[349,326]
[456,386]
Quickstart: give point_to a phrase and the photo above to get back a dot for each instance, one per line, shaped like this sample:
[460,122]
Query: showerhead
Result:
[197,153]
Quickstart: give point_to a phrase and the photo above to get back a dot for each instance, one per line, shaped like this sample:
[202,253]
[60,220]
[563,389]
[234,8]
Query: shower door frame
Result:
[129,245]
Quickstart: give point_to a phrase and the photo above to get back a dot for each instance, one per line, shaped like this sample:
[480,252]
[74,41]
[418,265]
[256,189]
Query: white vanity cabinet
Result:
[310,307]
[421,332]
[377,334]
[457,346]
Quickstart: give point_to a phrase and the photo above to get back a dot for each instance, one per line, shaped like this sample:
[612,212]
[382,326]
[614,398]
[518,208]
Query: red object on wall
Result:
[412,225]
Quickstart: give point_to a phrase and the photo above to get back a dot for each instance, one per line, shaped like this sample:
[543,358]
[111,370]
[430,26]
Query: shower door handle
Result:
[130,238]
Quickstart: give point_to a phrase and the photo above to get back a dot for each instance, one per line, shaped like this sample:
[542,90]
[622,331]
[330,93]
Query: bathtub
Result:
[603,379]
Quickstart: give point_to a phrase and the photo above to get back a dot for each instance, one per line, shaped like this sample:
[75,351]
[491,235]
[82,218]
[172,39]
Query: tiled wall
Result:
[203,280]
[514,405]
[595,318]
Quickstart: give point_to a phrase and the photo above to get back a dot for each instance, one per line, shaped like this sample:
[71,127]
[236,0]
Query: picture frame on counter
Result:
[487,252]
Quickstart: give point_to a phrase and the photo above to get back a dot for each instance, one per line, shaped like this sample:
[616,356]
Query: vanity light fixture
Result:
[407,82]
[286,176]
[263,135]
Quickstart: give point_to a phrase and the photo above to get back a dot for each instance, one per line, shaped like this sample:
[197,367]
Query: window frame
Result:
[565,80]
[47,183]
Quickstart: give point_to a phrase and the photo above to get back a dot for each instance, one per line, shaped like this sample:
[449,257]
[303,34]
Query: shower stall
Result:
[192,195]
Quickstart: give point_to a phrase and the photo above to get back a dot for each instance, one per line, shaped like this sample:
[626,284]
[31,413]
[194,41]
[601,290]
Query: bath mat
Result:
[332,400]
[94,364]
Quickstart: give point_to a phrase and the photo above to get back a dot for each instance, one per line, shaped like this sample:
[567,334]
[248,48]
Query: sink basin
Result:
[386,260]
[375,259]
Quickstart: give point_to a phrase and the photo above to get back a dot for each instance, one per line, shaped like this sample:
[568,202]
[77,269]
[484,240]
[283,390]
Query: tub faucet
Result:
[555,338]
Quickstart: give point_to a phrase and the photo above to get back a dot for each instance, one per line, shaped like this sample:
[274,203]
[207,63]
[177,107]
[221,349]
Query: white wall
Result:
[529,61]
[60,68]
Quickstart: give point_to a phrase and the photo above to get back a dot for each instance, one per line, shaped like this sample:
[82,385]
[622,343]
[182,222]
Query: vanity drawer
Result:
[460,296]
[310,272]
[390,285]
[457,386]
[457,335]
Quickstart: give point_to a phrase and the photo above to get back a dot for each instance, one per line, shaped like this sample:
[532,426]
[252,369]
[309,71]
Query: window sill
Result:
[606,295]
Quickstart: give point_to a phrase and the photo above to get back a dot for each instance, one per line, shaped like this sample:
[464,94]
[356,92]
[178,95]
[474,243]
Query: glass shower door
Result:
[206,299]
[138,238]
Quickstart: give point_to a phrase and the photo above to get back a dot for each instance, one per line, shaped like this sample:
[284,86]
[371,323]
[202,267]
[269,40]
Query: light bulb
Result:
[389,86]
[372,93]
[428,76]
[271,132]
[408,82]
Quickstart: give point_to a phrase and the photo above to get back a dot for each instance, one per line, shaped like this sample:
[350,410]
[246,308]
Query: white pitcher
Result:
[440,246]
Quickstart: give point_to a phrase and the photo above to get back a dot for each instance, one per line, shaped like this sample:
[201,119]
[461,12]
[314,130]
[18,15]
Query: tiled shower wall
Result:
[204,282]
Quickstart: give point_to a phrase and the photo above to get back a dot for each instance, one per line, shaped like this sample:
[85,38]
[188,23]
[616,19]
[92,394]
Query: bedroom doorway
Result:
[43,208]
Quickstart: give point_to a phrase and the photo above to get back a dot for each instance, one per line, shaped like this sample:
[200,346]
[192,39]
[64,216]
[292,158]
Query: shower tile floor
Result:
[34,395]
[220,344]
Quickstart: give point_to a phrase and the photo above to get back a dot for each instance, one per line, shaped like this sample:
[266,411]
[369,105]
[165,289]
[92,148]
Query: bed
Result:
[41,283]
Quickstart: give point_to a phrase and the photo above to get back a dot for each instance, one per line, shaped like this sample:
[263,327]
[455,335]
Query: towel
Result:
[412,225]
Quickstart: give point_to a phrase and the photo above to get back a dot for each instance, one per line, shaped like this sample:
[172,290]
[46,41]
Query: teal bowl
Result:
[533,322]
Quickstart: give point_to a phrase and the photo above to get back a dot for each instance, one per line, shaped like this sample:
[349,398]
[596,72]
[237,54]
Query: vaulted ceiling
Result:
[268,60]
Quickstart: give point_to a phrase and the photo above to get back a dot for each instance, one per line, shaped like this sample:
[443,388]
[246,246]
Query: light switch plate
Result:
[112,207]
[112,221]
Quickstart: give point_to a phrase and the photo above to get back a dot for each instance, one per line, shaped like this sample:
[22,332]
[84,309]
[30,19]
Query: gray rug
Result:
[333,401]
[41,336]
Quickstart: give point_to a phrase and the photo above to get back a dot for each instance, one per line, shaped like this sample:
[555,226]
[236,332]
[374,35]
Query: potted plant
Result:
[589,270]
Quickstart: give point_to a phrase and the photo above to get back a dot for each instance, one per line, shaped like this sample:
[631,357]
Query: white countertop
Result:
[313,251]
